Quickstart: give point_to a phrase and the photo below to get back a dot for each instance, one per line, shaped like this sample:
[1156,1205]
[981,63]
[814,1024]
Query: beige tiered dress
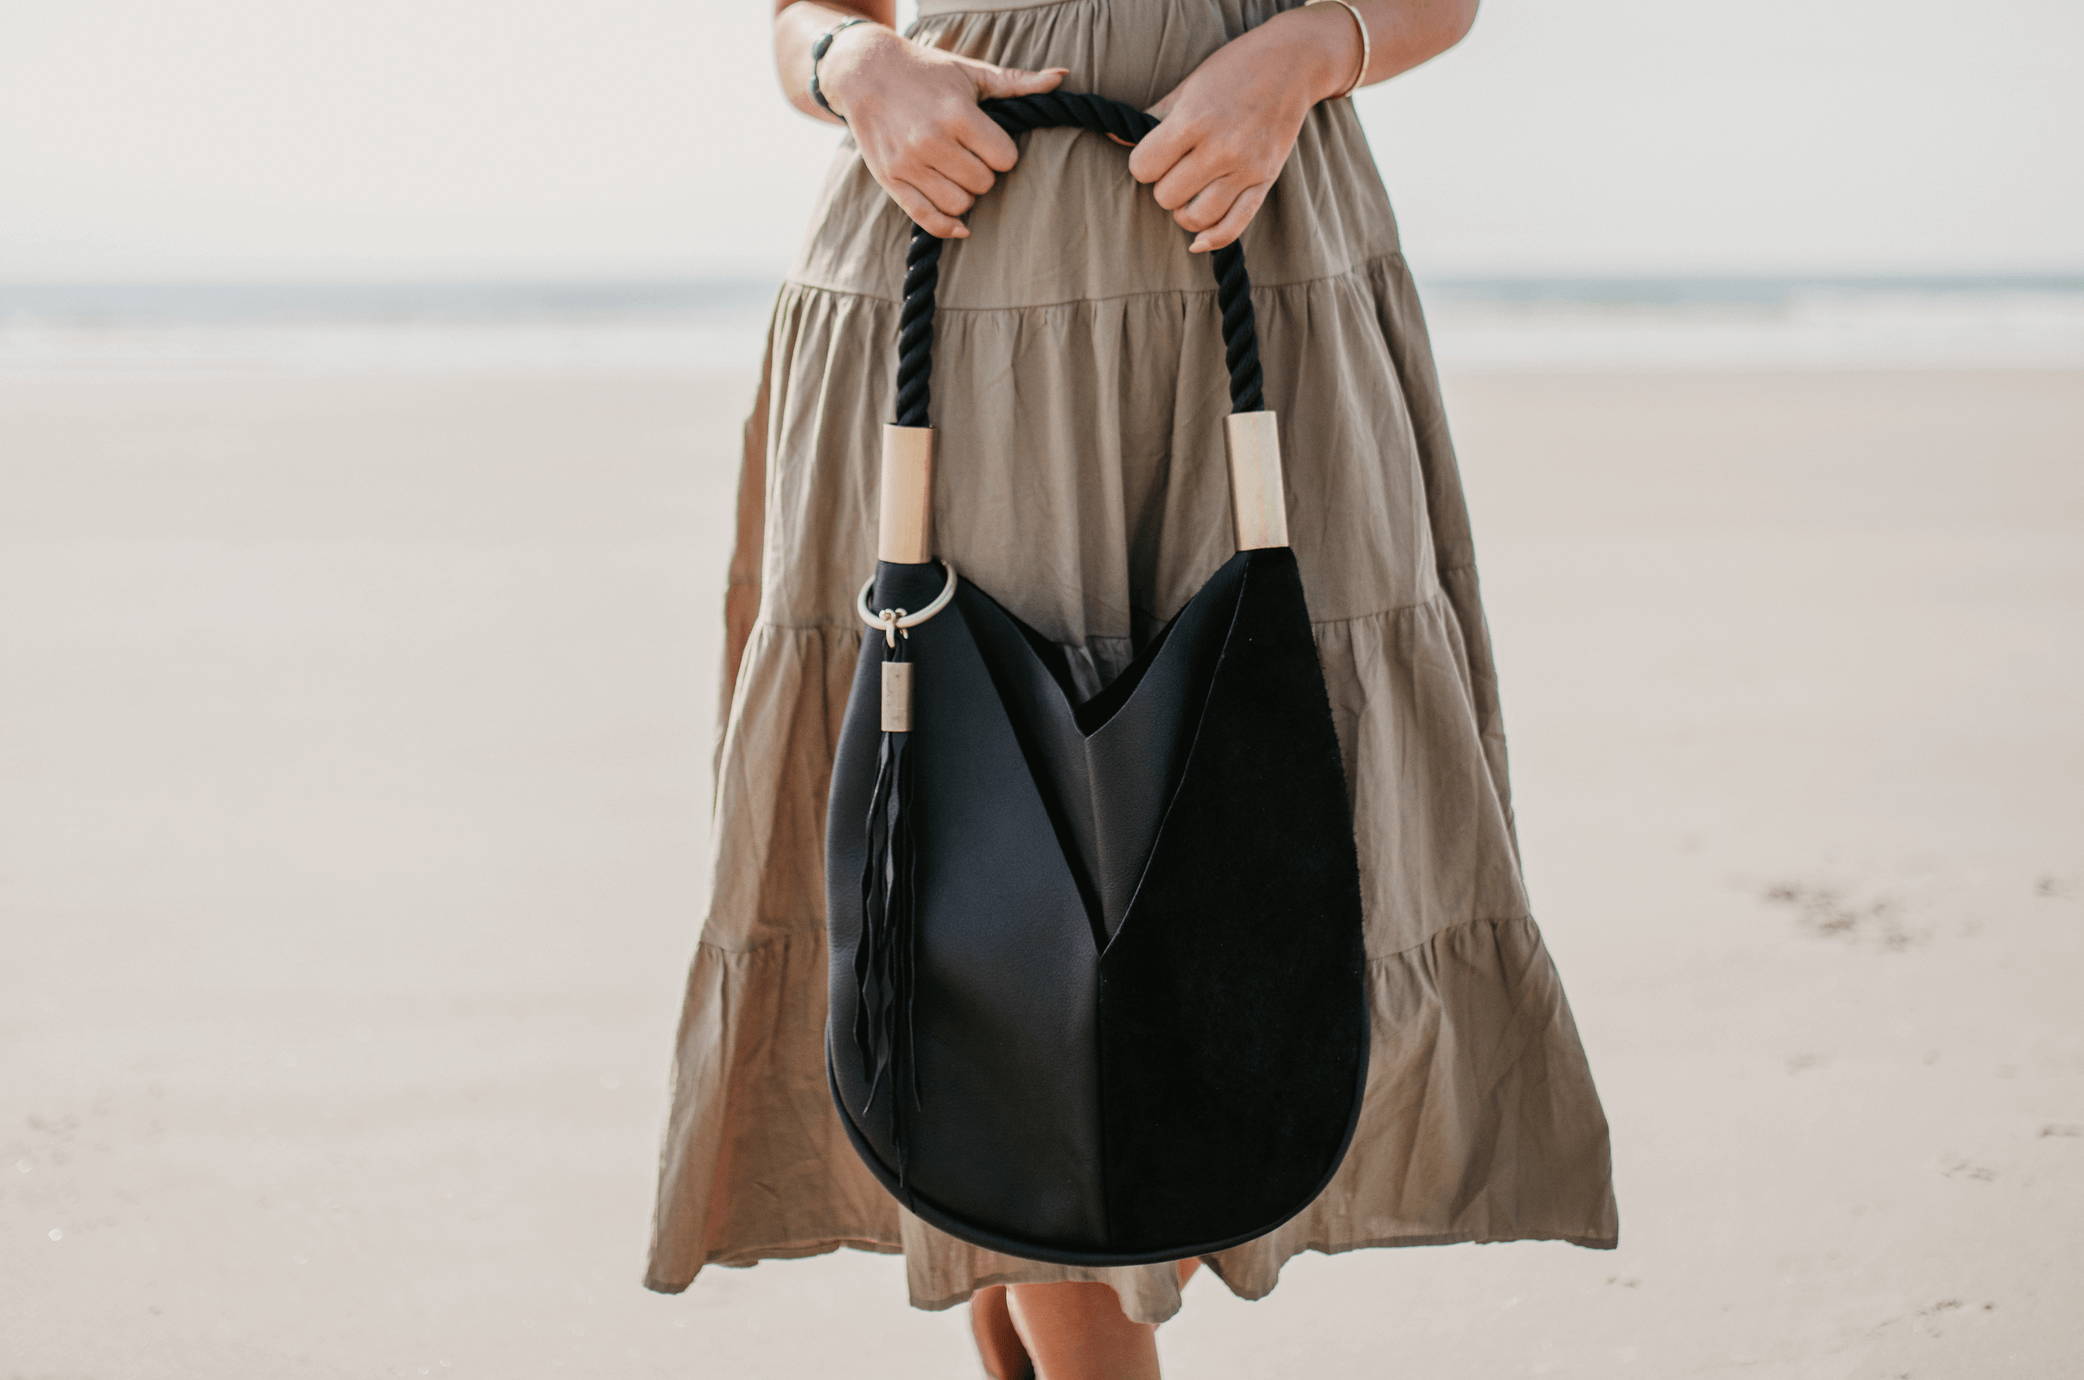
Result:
[1079,397]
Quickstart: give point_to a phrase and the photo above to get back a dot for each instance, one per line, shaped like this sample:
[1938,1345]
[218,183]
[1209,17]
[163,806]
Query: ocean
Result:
[1544,323]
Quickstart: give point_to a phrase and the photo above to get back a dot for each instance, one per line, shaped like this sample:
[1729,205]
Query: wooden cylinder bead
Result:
[897,697]
[904,526]
[1258,500]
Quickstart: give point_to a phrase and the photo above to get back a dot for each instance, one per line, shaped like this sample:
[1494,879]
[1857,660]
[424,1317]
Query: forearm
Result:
[1325,42]
[797,24]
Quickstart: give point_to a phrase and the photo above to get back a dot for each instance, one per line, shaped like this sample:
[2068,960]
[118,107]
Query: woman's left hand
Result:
[1224,132]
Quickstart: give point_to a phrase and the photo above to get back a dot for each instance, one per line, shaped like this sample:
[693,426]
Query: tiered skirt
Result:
[1080,476]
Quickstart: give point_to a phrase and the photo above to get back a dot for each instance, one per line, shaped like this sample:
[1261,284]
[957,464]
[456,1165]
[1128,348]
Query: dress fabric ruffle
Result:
[1079,397]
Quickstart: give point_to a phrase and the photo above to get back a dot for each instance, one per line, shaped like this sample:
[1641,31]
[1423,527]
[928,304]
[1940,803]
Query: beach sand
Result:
[352,830]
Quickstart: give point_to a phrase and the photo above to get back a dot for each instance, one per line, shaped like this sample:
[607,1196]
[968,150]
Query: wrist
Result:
[853,49]
[1321,45]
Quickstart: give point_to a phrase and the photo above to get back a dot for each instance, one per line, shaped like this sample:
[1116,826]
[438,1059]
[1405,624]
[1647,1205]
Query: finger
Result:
[996,82]
[946,197]
[923,212]
[1234,220]
[981,135]
[1209,205]
[1185,180]
[1157,151]
[965,169]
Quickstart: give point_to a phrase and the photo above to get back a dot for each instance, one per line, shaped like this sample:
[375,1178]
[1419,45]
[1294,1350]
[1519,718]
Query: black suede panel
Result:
[1233,1006]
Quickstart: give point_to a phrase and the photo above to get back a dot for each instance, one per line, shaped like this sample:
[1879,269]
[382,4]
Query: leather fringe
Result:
[886,959]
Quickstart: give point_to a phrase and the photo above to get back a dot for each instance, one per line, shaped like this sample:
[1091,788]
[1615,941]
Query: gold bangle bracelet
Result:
[1366,47]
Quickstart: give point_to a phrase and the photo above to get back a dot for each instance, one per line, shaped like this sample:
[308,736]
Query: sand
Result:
[352,815]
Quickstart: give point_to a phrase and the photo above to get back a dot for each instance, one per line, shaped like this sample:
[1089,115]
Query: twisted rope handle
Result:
[923,260]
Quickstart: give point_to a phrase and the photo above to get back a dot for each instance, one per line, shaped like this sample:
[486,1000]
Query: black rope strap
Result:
[1102,115]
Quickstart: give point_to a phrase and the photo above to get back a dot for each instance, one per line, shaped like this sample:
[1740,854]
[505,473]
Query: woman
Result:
[1079,399]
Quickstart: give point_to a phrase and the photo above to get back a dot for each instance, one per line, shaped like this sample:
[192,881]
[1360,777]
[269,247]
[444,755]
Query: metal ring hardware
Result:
[894,621]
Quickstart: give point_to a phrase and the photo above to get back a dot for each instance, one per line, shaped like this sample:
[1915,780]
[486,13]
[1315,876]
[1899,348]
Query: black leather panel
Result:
[1008,1129]
[1106,766]
[1136,756]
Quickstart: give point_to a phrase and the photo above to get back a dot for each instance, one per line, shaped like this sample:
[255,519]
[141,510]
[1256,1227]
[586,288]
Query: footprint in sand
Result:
[1830,912]
[1957,1168]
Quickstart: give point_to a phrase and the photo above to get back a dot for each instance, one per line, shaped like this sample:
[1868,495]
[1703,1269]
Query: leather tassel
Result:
[886,959]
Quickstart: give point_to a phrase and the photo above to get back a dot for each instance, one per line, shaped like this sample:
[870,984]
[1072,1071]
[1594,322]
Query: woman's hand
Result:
[1225,131]
[913,112]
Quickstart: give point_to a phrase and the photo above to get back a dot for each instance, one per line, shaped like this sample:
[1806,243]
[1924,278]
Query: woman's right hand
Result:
[913,113]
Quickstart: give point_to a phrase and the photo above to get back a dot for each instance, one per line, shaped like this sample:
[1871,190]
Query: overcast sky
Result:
[620,138]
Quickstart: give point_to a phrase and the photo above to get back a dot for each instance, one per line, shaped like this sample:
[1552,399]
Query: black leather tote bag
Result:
[1097,983]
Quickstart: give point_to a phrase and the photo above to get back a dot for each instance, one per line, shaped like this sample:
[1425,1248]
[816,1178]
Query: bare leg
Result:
[1075,1330]
[991,1323]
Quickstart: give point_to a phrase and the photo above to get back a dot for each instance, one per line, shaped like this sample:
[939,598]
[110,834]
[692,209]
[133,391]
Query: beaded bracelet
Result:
[817,53]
